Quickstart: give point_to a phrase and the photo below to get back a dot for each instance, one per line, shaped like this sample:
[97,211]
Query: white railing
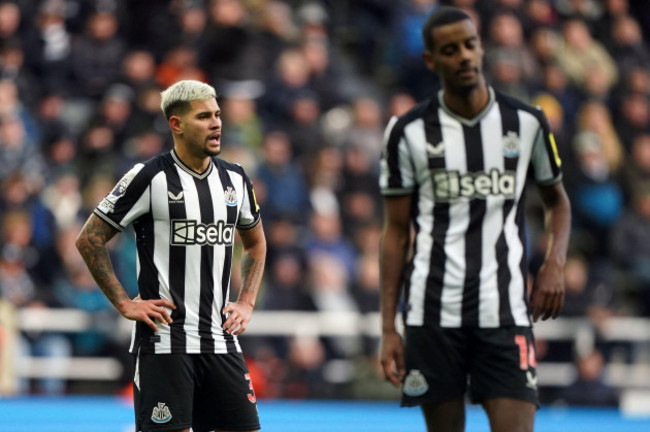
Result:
[342,324]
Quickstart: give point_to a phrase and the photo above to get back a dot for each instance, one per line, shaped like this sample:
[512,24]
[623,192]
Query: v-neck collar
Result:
[189,170]
[477,118]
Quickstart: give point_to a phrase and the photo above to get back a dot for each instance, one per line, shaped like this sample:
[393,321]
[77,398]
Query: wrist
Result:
[122,304]
[247,301]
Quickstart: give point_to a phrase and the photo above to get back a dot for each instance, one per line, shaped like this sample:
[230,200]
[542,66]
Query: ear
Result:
[428,60]
[176,125]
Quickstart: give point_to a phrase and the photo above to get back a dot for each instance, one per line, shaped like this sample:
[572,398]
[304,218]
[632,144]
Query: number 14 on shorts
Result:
[526,353]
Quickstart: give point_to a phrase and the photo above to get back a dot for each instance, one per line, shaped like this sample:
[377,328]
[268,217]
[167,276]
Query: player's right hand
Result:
[148,311]
[392,357]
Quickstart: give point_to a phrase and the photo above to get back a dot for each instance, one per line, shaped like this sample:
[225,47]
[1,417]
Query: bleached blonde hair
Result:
[177,97]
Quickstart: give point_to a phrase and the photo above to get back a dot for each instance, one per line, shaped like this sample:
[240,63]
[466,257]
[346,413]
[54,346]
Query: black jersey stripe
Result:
[520,219]
[176,255]
[148,276]
[207,265]
[474,234]
[435,278]
[231,218]
[509,125]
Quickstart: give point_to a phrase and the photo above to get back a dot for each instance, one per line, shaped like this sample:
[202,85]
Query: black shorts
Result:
[496,363]
[201,391]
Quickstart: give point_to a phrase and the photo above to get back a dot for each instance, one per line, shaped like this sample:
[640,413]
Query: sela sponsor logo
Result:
[161,413]
[451,185]
[188,232]
[415,384]
[230,196]
[176,199]
[511,146]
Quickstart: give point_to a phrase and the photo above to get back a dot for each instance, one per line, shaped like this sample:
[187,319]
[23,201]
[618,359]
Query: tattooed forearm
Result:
[251,270]
[91,243]
[252,263]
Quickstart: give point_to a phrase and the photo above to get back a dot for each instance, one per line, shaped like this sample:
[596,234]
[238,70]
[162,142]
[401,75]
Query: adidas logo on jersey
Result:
[451,185]
[186,232]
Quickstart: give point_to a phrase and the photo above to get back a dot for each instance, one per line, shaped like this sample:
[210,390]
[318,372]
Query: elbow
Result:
[80,241]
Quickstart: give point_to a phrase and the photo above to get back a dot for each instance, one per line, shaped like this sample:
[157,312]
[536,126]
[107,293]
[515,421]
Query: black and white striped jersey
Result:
[467,179]
[184,224]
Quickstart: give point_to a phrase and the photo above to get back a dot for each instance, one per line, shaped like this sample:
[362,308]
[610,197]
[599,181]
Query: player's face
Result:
[202,128]
[457,55]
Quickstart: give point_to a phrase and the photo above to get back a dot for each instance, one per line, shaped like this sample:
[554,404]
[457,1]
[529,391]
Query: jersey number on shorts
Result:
[526,353]
[251,396]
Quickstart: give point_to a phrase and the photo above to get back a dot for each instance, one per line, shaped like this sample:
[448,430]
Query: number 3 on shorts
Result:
[526,353]
[251,396]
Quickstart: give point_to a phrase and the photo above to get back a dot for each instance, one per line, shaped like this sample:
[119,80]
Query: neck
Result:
[197,163]
[467,104]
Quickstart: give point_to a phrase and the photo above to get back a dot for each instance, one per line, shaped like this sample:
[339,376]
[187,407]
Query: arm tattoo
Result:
[252,264]
[251,270]
[91,243]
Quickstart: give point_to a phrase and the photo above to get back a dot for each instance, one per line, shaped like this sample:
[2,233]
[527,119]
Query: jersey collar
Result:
[473,121]
[189,170]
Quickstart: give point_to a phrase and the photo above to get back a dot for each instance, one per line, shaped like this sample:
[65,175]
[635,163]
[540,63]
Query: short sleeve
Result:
[545,158]
[128,200]
[396,175]
[249,212]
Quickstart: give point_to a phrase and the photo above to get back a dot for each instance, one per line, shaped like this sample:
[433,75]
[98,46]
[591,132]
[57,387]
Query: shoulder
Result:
[518,105]
[149,169]
[415,113]
[229,166]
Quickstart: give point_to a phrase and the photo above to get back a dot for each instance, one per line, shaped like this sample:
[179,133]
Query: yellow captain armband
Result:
[551,138]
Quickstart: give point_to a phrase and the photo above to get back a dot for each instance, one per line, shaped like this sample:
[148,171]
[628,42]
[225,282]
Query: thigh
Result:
[436,365]
[163,391]
[510,415]
[448,416]
[224,398]
[503,365]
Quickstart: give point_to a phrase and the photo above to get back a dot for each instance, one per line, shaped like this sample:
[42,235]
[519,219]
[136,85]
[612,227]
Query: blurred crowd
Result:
[306,88]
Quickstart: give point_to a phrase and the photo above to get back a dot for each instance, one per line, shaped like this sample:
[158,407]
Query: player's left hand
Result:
[239,315]
[547,298]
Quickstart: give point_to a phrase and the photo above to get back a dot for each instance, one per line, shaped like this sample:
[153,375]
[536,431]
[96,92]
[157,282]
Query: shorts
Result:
[495,362]
[201,391]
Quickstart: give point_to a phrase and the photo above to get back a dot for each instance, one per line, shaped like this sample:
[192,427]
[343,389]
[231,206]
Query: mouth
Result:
[215,138]
[467,73]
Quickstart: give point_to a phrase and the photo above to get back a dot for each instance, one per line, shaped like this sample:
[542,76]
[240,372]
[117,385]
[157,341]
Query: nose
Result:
[465,54]
[216,123]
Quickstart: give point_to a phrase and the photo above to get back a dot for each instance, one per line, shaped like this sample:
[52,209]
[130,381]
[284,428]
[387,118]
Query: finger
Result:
[157,316]
[150,323]
[401,366]
[166,319]
[231,326]
[559,304]
[536,311]
[241,328]
[164,302]
[389,372]
[228,322]
[549,306]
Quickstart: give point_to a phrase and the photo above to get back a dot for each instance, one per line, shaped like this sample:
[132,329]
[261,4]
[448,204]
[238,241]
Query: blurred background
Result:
[306,89]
